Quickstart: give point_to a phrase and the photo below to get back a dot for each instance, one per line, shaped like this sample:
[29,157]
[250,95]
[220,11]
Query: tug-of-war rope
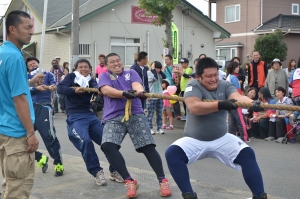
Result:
[176,98]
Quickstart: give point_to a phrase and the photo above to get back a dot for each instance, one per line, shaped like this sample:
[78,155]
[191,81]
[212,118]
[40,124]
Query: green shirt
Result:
[184,80]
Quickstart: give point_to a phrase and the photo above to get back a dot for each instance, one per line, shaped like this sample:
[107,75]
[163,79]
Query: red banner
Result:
[138,16]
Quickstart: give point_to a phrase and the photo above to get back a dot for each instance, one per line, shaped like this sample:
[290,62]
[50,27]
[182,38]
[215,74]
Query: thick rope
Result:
[239,104]
[48,87]
[127,111]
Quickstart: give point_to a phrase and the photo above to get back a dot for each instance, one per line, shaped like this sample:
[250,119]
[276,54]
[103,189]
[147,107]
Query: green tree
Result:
[271,46]
[163,9]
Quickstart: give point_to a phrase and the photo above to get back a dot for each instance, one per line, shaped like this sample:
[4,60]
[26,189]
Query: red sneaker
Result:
[132,187]
[165,190]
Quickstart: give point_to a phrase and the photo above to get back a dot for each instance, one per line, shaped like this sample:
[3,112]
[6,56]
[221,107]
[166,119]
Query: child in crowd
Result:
[167,107]
[248,113]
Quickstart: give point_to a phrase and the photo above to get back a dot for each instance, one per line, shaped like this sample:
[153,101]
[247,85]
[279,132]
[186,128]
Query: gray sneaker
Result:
[115,176]
[269,139]
[100,179]
[279,140]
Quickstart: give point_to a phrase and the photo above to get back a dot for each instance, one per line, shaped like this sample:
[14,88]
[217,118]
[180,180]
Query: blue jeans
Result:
[297,113]
[83,129]
[157,105]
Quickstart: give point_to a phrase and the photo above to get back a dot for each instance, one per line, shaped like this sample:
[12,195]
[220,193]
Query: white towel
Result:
[36,71]
[81,80]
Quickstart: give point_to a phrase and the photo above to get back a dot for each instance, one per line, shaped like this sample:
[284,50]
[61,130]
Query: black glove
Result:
[141,95]
[256,106]
[227,105]
[129,94]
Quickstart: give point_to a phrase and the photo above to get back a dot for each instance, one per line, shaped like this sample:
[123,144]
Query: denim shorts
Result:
[137,127]
[165,108]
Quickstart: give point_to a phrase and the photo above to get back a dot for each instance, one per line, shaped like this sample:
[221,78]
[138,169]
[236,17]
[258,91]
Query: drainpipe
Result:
[148,44]
[182,35]
[261,15]
[95,55]
[289,30]
[57,31]
[4,28]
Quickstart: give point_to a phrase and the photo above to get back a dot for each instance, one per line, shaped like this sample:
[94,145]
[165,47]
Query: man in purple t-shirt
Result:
[117,86]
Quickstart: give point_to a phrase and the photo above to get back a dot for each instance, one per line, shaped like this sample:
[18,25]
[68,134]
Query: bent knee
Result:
[109,147]
[175,152]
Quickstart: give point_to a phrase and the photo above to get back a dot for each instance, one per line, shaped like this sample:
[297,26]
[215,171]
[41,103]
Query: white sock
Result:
[171,126]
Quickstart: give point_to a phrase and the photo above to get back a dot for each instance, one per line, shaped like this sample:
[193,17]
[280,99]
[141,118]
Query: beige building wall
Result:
[55,45]
[99,30]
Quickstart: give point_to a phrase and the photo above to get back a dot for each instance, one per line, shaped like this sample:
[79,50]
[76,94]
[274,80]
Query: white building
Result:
[116,26]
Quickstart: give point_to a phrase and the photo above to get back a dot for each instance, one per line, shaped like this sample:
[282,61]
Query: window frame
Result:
[125,44]
[295,4]
[235,6]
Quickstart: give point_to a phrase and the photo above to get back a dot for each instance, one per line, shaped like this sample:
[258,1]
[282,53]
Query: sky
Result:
[200,4]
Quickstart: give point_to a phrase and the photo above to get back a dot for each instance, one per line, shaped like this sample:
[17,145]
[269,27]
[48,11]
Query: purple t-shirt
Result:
[114,107]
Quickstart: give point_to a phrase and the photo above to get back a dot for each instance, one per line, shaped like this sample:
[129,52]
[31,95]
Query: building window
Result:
[84,50]
[226,53]
[126,48]
[295,9]
[232,13]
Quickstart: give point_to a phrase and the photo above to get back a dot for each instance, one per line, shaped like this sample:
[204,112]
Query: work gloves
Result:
[227,105]
[256,106]
[130,94]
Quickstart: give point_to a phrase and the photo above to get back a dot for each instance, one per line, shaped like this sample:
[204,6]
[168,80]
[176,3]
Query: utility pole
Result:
[3,22]
[75,32]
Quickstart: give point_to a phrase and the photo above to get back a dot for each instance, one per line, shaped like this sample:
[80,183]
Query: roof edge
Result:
[95,12]
[224,33]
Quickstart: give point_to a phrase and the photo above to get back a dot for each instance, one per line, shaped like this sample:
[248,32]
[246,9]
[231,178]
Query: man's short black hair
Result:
[82,61]
[142,55]
[110,55]
[204,63]
[170,56]
[14,19]
[32,58]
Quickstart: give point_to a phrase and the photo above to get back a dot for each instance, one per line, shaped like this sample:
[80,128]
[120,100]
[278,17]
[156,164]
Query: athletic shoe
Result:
[132,187]
[248,140]
[115,176]
[279,140]
[160,131]
[169,128]
[163,127]
[269,139]
[59,170]
[262,196]
[189,195]
[152,132]
[43,163]
[100,179]
[178,117]
[165,190]
[183,118]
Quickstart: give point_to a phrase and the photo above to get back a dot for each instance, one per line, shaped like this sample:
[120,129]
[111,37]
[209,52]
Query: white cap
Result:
[57,57]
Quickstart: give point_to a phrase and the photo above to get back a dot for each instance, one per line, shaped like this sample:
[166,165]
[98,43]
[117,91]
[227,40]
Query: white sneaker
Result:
[160,131]
[269,139]
[152,132]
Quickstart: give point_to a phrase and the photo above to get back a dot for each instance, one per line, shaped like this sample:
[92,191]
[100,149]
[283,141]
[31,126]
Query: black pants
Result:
[263,124]
[278,128]
[116,159]
[44,125]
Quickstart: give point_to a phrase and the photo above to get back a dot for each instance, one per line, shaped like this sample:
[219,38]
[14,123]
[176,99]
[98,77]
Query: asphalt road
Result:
[279,163]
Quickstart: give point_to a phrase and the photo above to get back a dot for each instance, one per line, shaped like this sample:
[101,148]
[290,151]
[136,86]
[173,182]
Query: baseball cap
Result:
[184,60]
[57,57]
